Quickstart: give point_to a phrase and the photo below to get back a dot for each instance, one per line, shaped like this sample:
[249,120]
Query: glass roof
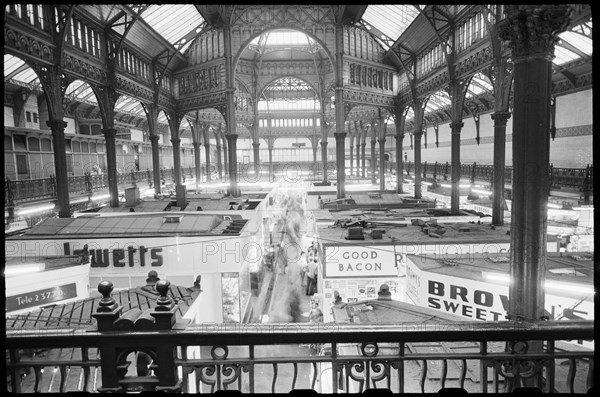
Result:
[390,19]
[179,23]
[439,100]
[574,44]
[17,70]
[284,37]
[174,22]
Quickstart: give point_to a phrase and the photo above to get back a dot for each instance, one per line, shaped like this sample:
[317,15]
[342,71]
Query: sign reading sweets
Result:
[376,261]
[40,297]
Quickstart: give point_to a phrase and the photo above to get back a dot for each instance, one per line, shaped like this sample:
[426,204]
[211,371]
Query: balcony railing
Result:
[573,178]
[265,358]
[21,191]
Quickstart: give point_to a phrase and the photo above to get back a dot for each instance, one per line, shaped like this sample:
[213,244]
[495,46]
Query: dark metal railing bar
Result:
[334,367]
[496,382]
[251,367]
[423,375]
[14,371]
[550,375]
[444,373]
[367,375]
[85,370]
[64,373]
[463,373]
[274,377]
[295,375]
[185,374]
[314,379]
[571,375]
[401,348]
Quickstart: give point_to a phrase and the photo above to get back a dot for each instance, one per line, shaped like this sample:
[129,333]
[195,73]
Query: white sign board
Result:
[480,300]
[360,261]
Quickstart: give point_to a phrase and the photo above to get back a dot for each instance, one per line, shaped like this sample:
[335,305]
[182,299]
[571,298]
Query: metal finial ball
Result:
[163,287]
[105,288]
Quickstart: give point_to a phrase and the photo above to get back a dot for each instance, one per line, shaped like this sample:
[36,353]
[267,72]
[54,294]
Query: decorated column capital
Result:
[256,145]
[399,137]
[532,30]
[154,138]
[109,133]
[456,126]
[175,141]
[418,133]
[57,125]
[231,137]
[500,118]
[339,135]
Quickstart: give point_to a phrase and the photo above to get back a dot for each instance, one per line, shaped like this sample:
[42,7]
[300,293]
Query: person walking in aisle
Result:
[311,275]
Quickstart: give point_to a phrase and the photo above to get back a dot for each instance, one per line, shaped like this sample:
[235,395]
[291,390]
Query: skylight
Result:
[390,19]
[284,37]
[175,22]
[574,44]
[17,70]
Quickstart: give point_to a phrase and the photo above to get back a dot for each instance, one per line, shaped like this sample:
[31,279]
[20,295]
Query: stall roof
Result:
[453,233]
[78,314]
[375,200]
[49,262]
[140,224]
[389,312]
[568,267]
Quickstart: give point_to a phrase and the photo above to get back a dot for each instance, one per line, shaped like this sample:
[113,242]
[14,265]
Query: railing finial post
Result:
[164,312]
[108,310]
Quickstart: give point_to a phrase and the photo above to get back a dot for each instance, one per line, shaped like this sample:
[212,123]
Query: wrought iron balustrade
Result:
[268,358]
[35,189]
[580,178]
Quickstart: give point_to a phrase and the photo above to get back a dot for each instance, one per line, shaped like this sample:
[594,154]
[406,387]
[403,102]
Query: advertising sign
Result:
[374,261]
[480,300]
[178,255]
[41,297]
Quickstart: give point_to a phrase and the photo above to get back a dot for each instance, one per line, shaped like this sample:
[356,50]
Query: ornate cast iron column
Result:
[500,120]
[351,153]
[270,144]
[381,163]
[176,160]
[399,123]
[373,157]
[399,163]
[226,158]
[208,165]
[219,166]
[532,32]
[255,148]
[324,158]
[197,167]
[155,162]
[418,173]
[419,111]
[357,145]
[363,150]
[230,122]
[60,166]
[234,190]
[340,159]
[456,127]
[111,165]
